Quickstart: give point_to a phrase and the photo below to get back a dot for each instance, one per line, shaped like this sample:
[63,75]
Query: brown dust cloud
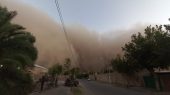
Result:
[91,50]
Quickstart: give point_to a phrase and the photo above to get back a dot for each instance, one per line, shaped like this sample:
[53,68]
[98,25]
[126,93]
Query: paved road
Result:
[60,90]
[97,88]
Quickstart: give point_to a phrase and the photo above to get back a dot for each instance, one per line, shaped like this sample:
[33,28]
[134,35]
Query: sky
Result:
[106,15]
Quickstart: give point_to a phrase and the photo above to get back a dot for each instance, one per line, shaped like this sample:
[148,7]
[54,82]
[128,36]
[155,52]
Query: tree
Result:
[149,51]
[17,54]
[67,63]
[121,66]
[67,66]
[55,70]
[75,71]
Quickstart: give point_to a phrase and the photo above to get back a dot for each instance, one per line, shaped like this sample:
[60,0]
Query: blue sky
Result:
[106,15]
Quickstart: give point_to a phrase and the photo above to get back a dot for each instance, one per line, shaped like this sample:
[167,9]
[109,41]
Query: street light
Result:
[18,68]
[1,66]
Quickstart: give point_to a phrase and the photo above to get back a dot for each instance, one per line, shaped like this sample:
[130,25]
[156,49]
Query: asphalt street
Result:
[98,88]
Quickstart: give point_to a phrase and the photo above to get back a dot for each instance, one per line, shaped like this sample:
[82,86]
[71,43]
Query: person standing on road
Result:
[42,81]
[56,82]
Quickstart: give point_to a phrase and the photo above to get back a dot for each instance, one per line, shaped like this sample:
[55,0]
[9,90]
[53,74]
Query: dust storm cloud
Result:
[95,50]
[50,41]
[92,49]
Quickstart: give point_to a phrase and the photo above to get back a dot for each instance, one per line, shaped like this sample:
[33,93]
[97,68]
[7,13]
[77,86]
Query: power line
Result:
[64,28]
[61,18]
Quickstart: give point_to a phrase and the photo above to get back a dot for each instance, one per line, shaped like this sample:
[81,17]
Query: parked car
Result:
[89,79]
[71,82]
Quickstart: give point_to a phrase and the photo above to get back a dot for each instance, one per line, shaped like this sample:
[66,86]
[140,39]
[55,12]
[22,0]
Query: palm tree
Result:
[17,53]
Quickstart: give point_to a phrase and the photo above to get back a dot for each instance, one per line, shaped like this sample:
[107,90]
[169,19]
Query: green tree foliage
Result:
[55,70]
[120,65]
[75,71]
[67,63]
[67,66]
[17,54]
[149,51]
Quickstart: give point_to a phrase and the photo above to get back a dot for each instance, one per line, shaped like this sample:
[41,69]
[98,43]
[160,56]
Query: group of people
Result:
[47,82]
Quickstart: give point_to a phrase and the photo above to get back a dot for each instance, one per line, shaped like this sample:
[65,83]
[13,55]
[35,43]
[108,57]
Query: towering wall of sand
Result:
[92,49]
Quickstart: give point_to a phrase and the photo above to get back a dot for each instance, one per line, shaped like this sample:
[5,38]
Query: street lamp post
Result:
[1,66]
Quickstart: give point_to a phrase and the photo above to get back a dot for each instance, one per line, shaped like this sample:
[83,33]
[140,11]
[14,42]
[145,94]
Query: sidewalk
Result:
[61,90]
[151,91]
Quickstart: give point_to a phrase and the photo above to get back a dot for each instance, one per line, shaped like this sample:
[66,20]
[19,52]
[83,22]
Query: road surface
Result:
[60,90]
[97,88]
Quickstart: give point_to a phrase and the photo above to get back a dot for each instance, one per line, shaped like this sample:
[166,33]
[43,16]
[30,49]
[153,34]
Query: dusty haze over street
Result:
[91,47]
